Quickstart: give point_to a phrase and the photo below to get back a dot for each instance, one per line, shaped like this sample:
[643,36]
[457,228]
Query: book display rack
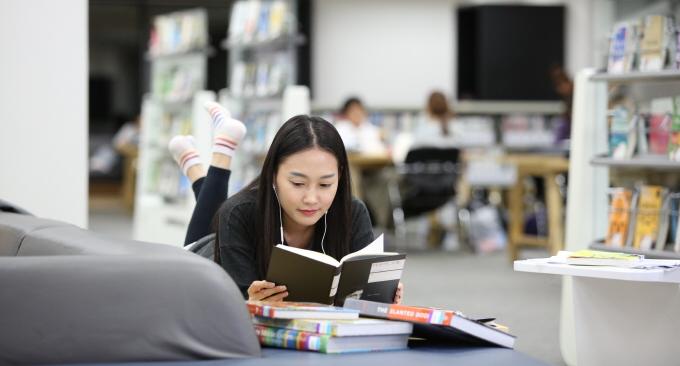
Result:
[642,209]
[178,54]
[262,44]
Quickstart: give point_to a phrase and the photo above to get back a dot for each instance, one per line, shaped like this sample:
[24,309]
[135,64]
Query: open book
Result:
[310,276]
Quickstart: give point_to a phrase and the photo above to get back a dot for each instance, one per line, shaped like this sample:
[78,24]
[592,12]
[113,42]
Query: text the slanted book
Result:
[436,324]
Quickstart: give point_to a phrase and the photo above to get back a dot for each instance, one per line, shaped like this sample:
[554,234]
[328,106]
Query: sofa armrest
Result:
[122,308]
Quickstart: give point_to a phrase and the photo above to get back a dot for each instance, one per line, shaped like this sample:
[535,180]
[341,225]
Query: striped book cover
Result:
[299,310]
[339,328]
[323,343]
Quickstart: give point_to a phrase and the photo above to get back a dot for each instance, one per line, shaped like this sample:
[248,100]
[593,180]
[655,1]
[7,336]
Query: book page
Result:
[377,247]
[319,257]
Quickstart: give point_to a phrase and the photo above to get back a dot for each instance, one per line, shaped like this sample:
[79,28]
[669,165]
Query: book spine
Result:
[264,311]
[401,312]
[291,339]
[317,326]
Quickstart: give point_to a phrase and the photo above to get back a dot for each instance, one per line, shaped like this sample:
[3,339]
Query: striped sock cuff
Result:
[222,144]
[188,159]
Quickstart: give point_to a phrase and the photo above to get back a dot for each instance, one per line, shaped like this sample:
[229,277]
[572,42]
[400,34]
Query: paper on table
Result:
[561,258]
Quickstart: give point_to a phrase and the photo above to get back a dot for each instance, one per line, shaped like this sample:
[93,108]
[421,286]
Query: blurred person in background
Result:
[564,87]
[437,127]
[357,133]
[362,137]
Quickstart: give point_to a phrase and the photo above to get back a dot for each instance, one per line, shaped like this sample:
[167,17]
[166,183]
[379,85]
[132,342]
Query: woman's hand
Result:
[266,291]
[399,294]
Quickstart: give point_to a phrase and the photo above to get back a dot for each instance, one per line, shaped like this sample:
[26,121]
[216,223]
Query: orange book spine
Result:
[419,314]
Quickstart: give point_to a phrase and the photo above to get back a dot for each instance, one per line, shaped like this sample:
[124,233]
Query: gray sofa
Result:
[69,295]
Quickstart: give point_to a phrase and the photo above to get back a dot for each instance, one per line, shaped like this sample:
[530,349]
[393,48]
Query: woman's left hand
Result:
[399,294]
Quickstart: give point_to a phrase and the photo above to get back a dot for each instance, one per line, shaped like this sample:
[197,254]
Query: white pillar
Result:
[43,107]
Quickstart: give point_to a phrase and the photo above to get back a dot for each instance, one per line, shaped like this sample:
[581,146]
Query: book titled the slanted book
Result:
[297,310]
[310,276]
[436,324]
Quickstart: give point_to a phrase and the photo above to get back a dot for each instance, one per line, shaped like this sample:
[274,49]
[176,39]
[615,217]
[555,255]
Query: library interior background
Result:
[478,133]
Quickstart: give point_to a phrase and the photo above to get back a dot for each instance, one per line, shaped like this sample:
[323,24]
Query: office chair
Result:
[424,182]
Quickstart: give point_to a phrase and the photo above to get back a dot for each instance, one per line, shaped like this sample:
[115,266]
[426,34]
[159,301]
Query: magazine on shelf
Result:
[437,324]
[622,132]
[664,223]
[674,135]
[676,224]
[308,275]
[647,217]
[652,45]
[633,217]
[623,45]
[659,127]
[619,217]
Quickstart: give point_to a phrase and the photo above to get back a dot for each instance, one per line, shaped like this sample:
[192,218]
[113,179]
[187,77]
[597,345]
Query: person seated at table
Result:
[357,133]
[436,128]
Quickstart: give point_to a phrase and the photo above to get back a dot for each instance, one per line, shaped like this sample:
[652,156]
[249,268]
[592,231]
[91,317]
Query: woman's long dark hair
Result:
[439,109]
[297,134]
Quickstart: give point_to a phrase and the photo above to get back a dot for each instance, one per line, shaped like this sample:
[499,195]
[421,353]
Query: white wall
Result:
[43,107]
[392,53]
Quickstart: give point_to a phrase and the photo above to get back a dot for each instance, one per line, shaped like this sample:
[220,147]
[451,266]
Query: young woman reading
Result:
[301,198]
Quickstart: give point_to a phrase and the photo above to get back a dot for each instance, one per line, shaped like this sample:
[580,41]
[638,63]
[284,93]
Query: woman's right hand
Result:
[266,291]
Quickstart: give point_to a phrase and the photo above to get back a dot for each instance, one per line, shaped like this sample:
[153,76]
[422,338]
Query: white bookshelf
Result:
[597,303]
[262,73]
[163,197]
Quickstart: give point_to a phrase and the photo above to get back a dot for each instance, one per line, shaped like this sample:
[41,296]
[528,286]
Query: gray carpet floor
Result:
[477,285]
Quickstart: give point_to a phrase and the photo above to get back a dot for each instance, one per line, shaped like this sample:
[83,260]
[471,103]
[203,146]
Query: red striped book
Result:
[436,324]
[324,343]
[299,310]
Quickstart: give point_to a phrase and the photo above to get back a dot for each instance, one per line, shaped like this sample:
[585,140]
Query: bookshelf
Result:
[654,162]
[263,43]
[638,76]
[651,254]
[177,55]
[588,296]
[638,165]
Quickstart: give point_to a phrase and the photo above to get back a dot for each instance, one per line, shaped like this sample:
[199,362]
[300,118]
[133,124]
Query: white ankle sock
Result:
[184,152]
[227,132]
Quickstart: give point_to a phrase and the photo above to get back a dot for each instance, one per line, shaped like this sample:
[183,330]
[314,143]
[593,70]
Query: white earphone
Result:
[281,221]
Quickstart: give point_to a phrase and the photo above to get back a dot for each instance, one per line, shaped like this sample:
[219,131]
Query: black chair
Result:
[424,182]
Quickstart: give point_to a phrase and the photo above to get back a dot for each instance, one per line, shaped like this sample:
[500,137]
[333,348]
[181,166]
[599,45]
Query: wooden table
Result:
[358,163]
[548,167]
[130,154]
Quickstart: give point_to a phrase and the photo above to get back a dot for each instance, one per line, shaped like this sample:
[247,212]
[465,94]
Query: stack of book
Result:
[324,328]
